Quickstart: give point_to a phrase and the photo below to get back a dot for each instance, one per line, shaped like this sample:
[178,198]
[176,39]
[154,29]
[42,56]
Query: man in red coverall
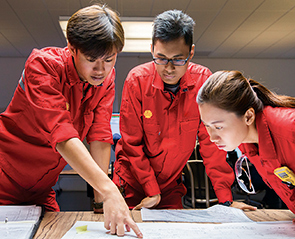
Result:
[159,122]
[63,96]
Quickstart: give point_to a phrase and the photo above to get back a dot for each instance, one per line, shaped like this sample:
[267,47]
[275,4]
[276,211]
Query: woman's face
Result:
[226,129]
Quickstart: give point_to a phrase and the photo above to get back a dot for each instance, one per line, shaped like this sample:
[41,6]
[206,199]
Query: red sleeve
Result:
[218,170]
[46,102]
[130,147]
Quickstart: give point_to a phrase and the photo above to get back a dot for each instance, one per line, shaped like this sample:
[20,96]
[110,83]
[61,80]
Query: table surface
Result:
[56,224]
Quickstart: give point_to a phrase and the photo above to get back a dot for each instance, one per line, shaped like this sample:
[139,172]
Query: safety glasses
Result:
[175,62]
[243,175]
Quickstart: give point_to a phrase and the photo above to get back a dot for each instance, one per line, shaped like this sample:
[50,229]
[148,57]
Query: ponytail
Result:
[270,98]
[231,91]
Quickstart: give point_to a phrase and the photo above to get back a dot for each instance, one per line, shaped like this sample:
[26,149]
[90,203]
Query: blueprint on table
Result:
[216,214]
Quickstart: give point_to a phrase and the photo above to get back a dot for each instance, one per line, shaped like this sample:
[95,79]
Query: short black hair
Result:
[171,25]
[95,30]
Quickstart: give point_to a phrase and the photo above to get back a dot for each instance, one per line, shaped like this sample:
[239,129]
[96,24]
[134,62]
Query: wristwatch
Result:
[97,205]
[227,203]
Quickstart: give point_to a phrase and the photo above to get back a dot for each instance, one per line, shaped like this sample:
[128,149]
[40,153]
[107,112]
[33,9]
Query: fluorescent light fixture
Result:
[63,21]
[138,32]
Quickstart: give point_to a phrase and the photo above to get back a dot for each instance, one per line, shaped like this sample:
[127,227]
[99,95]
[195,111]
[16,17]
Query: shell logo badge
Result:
[67,106]
[148,114]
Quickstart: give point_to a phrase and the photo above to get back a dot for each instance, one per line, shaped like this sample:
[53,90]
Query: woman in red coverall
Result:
[63,96]
[241,112]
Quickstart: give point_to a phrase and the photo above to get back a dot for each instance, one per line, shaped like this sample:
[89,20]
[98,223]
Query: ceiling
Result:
[224,28]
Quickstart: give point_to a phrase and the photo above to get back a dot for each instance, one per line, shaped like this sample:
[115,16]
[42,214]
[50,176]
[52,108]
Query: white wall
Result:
[277,75]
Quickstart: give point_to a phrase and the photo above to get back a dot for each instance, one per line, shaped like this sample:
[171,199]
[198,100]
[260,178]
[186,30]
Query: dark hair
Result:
[171,25]
[95,30]
[231,91]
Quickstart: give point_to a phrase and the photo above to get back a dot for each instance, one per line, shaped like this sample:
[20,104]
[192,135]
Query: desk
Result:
[56,224]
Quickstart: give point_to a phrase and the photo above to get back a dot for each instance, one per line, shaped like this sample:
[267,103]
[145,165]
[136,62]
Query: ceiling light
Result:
[63,21]
[138,32]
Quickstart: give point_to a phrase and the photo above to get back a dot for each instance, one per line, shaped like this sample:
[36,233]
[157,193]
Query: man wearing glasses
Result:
[159,121]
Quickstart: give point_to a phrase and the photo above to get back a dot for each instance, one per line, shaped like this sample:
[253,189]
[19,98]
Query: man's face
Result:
[93,71]
[176,49]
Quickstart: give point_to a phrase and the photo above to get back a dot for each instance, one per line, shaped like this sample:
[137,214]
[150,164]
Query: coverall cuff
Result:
[61,133]
[100,132]
[151,188]
[224,195]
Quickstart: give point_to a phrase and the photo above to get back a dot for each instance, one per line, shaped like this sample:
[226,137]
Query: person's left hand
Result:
[149,202]
[243,206]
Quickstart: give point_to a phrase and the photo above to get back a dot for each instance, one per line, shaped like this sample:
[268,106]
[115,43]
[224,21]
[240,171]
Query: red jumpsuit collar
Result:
[266,145]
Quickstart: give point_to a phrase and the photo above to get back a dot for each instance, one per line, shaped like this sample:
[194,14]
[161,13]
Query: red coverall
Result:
[48,106]
[159,132]
[276,132]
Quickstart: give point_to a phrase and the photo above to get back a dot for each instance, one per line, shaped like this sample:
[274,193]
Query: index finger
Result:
[134,227]
[248,207]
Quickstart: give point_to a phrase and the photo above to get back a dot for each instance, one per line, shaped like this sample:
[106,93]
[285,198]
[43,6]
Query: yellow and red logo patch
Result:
[67,106]
[148,114]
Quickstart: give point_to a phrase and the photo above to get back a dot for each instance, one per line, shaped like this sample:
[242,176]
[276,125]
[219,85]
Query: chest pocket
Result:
[88,119]
[85,125]
[188,134]
[88,115]
[152,139]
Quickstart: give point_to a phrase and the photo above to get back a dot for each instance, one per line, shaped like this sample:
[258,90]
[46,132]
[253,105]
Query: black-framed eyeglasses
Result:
[243,176]
[175,62]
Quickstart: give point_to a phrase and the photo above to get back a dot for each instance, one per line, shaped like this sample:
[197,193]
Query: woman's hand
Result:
[149,202]
[243,206]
